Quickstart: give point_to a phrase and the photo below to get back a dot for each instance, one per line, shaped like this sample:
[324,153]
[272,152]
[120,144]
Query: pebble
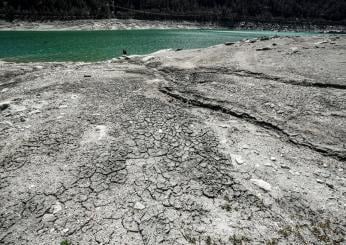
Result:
[35,112]
[38,67]
[4,90]
[319,181]
[294,50]
[229,43]
[262,184]
[330,185]
[239,160]
[285,166]
[273,159]
[57,208]
[263,49]
[321,42]
[4,106]
[47,218]
[139,206]
[8,123]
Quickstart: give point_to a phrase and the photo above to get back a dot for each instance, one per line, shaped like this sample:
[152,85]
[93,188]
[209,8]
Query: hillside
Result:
[205,10]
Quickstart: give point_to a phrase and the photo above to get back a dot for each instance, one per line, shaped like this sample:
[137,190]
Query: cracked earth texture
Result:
[237,144]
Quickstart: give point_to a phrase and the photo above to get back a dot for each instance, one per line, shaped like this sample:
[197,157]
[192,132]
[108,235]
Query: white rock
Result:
[294,49]
[321,42]
[239,159]
[139,206]
[47,218]
[262,184]
[8,123]
[273,159]
[34,112]
[268,164]
[57,208]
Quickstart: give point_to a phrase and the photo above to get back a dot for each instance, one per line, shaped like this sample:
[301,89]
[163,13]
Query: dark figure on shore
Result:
[124,52]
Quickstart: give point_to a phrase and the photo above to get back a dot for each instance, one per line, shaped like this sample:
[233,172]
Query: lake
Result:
[29,46]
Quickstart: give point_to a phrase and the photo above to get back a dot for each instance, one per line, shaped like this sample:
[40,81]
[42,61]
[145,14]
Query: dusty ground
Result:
[107,24]
[236,144]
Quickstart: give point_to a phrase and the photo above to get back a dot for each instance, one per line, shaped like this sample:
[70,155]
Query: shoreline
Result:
[135,24]
[100,25]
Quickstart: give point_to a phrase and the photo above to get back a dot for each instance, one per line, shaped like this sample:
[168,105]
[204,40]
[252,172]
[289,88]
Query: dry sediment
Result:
[226,145]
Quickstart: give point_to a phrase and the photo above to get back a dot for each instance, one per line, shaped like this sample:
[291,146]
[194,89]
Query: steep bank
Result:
[236,144]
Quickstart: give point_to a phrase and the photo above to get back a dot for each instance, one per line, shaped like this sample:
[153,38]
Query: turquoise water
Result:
[27,46]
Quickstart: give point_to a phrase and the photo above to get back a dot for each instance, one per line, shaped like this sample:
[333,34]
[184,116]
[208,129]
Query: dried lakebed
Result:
[236,144]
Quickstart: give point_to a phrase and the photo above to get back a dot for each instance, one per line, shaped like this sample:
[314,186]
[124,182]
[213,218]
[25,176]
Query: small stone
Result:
[47,218]
[34,112]
[285,166]
[229,43]
[38,67]
[239,160]
[264,38]
[262,184]
[57,208]
[319,181]
[321,42]
[273,159]
[65,230]
[294,50]
[139,206]
[87,75]
[246,146]
[8,123]
[325,175]
[330,185]
[268,164]
[263,49]
[4,90]
[4,106]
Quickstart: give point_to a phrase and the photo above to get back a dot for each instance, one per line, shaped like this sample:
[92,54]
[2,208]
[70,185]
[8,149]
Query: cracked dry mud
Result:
[226,145]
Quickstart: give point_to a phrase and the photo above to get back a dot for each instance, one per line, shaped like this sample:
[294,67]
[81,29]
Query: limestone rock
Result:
[262,184]
[139,206]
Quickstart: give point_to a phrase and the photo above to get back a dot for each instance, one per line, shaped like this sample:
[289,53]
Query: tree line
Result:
[331,10]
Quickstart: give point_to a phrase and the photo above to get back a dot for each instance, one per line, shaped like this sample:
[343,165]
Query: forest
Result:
[209,10]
